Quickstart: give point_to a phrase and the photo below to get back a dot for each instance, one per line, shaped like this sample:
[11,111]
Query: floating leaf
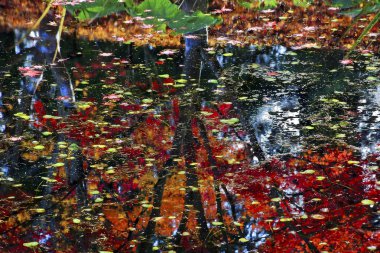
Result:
[58,165]
[181,81]
[286,219]
[111,150]
[22,115]
[163,12]
[308,172]
[147,101]
[217,223]
[367,202]
[30,244]
[39,147]
[50,180]
[98,200]
[231,121]
[372,248]
[83,10]
[73,147]
[317,216]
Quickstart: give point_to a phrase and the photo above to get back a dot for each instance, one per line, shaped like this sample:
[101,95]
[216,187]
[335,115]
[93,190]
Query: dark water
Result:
[108,152]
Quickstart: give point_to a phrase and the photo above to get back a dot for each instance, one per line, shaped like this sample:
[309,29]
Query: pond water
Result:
[117,148]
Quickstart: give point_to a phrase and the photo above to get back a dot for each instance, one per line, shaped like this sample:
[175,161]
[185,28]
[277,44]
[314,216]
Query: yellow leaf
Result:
[367,202]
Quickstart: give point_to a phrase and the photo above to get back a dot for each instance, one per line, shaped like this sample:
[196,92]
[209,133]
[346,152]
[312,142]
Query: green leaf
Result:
[367,202]
[73,147]
[97,9]
[50,180]
[39,147]
[147,100]
[58,165]
[308,172]
[243,240]
[165,13]
[30,244]
[111,150]
[345,3]
[259,4]
[98,200]
[22,115]
[302,3]
[181,81]
[231,121]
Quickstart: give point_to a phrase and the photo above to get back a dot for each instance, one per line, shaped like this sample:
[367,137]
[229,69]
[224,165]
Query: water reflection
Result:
[144,155]
[277,123]
[368,126]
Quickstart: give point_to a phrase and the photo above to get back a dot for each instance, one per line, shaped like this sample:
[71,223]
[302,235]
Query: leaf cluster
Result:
[159,13]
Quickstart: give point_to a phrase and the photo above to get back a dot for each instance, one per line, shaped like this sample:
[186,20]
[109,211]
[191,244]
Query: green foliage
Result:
[163,13]
[160,13]
[91,10]
[268,4]
[302,3]
[345,3]
[365,31]
[258,4]
[354,7]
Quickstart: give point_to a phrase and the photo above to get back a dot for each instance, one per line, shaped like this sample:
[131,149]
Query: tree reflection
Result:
[143,160]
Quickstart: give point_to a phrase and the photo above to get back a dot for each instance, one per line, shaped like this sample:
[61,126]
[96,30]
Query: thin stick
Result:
[38,22]
[364,33]
[59,33]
